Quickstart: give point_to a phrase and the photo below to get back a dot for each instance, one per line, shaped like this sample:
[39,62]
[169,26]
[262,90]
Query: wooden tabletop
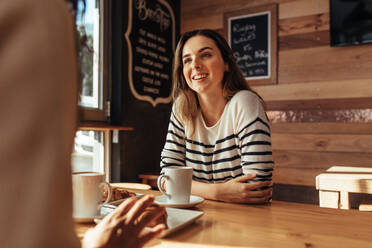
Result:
[281,224]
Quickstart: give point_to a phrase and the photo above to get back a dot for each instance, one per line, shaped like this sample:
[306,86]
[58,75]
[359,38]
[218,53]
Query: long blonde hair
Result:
[185,100]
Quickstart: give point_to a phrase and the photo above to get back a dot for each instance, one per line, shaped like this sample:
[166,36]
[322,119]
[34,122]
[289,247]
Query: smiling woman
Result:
[218,124]
[203,66]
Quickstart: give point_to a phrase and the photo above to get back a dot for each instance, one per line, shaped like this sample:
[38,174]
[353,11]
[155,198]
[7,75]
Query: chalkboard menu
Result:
[251,34]
[150,39]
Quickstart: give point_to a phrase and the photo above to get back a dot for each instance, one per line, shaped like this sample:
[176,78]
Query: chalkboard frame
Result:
[272,40]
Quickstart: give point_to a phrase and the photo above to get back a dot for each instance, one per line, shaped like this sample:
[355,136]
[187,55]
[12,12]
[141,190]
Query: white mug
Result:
[87,190]
[177,183]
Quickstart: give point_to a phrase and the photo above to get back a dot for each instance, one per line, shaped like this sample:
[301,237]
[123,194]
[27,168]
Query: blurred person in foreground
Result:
[38,109]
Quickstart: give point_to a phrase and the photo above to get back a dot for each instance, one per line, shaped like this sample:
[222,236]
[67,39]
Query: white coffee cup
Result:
[177,183]
[87,190]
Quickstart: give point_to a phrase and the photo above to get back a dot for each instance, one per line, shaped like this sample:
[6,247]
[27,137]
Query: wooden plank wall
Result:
[312,76]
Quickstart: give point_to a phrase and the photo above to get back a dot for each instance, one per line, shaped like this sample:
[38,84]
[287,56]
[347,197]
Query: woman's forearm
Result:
[205,190]
[239,189]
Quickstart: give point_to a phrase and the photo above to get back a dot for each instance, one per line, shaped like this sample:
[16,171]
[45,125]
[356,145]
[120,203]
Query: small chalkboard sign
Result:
[252,35]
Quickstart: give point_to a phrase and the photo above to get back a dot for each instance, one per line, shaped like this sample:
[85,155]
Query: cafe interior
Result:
[310,61]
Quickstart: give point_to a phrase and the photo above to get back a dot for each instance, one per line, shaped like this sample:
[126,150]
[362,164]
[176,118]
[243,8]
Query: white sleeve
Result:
[254,138]
[173,153]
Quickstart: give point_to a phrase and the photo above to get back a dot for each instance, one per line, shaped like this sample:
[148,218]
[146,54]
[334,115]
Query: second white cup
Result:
[87,193]
[177,183]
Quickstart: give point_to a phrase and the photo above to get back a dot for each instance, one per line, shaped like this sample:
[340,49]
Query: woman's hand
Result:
[121,228]
[241,190]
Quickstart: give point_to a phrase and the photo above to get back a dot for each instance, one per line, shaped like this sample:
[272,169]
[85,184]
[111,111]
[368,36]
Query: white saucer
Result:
[87,219]
[194,200]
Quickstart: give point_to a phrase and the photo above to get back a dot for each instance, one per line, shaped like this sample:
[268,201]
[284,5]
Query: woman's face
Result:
[203,65]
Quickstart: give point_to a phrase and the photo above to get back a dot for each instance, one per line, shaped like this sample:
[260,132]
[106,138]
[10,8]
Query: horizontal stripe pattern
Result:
[232,148]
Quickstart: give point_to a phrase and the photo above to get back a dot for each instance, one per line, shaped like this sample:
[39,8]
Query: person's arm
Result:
[255,142]
[238,190]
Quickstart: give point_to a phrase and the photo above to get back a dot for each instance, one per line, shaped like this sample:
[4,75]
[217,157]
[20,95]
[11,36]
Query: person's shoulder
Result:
[33,8]
[245,97]
[37,20]
[246,103]
[245,107]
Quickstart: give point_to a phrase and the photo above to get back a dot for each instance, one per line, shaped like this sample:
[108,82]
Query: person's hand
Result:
[121,228]
[242,191]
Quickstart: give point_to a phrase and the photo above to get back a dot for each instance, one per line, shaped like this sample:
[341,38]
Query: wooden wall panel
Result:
[300,167]
[304,24]
[209,14]
[304,32]
[338,89]
[189,7]
[325,64]
[303,8]
[322,142]
[320,116]
[304,40]
[301,151]
[322,128]
[212,21]
[329,104]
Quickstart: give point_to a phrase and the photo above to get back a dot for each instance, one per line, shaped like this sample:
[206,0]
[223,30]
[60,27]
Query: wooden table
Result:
[281,224]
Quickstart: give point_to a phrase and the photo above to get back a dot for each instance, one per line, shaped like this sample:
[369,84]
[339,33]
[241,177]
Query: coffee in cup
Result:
[177,184]
[87,190]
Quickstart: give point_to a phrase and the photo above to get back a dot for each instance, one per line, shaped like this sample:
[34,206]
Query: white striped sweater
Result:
[238,144]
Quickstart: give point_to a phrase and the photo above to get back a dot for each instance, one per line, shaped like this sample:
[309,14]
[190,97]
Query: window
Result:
[94,52]
[88,30]
[89,153]
[93,35]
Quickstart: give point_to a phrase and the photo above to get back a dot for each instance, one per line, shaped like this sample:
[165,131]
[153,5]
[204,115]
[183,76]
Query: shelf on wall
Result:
[102,127]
